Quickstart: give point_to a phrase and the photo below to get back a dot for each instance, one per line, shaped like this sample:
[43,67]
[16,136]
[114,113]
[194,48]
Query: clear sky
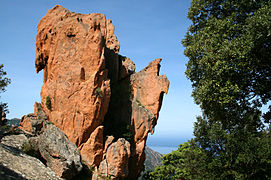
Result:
[145,29]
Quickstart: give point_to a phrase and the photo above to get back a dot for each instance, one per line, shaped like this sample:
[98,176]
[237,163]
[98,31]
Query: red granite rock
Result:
[90,91]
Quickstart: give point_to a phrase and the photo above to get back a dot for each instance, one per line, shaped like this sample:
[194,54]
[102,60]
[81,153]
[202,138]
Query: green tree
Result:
[4,81]
[228,46]
[184,163]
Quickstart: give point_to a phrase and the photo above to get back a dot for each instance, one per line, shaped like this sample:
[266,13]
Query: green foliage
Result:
[4,82]
[98,92]
[183,163]
[50,122]
[233,154]
[228,46]
[5,127]
[48,103]
[244,156]
[139,103]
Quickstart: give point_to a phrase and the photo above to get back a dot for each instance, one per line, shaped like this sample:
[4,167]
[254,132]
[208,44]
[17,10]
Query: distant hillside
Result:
[153,159]
[14,121]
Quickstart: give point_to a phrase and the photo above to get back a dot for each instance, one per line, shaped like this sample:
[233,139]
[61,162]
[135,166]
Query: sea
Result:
[164,149]
[166,144]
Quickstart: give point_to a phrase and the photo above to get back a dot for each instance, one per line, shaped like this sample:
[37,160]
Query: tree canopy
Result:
[4,81]
[228,46]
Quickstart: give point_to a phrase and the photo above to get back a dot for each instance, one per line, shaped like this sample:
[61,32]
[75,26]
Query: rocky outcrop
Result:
[34,122]
[15,141]
[90,91]
[116,160]
[93,148]
[153,159]
[61,156]
[14,164]
[42,140]
[31,123]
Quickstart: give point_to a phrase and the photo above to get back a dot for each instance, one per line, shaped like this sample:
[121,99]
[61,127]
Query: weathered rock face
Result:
[116,159]
[91,92]
[31,123]
[15,141]
[61,156]
[46,143]
[15,164]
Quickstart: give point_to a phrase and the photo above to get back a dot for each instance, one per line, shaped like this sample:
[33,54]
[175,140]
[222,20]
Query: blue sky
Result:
[146,30]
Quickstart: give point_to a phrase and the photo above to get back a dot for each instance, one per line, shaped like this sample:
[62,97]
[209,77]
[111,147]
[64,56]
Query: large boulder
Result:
[60,154]
[90,91]
[47,143]
[116,161]
[16,141]
[93,148]
[14,164]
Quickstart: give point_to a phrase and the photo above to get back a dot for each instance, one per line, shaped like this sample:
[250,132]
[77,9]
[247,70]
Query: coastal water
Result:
[166,144]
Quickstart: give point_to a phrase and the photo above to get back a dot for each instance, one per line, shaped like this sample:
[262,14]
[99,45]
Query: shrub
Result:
[27,148]
[98,92]
[48,103]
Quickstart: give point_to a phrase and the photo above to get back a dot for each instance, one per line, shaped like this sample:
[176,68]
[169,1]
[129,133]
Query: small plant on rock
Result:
[28,149]
[98,92]
[48,103]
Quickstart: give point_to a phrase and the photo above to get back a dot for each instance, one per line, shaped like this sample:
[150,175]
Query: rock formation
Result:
[91,92]
[61,156]
[15,164]
[48,144]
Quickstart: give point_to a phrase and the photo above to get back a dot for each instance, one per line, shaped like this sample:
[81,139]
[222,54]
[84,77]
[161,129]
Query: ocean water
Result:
[164,149]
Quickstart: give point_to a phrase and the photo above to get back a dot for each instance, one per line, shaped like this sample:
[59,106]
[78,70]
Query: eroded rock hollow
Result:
[94,95]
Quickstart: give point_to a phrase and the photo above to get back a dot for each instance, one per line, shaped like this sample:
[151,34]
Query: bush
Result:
[48,103]
[98,92]
[27,148]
